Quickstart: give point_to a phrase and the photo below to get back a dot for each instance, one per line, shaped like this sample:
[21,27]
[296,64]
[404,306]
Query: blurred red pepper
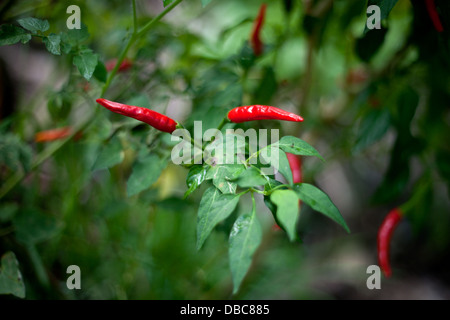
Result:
[124,66]
[434,16]
[255,38]
[53,134]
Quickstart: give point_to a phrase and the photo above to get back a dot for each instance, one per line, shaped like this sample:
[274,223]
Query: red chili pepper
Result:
[53,134]
[153,118]
[124,66]
[295,162]
[258,112]
[432,12]
[255,39]
[384,239]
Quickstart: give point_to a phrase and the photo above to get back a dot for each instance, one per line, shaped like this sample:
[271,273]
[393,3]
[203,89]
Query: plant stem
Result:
[135,24]
[223,123]
[54,147]
[135,35]
[150,24]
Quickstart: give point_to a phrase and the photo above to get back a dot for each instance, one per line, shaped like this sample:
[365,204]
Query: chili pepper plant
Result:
[116,119]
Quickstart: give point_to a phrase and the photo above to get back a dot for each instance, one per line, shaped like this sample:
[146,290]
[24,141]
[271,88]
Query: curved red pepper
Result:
[258,112]
[153,118]
[432,12]
[384,239]
[255,39]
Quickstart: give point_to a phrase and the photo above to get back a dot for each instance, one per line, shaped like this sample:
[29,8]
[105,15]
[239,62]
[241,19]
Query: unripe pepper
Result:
[255,39]
[384,239]
[152,118]
[258,112]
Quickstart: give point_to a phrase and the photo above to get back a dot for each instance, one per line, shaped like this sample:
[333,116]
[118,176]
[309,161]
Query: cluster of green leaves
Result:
[69,42]
[232,181]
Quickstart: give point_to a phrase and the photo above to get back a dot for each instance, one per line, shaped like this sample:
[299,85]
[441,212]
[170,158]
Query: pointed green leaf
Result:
[86,62]
[287,211]
[319,201]
[283,166]
[222,174]
[298,146]
[245,238]
[251,178]
[10,34]
[100,72]
[372,128]
[110,155]
[34,25]
[52,43]
[214,207]
[145,173]
[195,178]
[10,277]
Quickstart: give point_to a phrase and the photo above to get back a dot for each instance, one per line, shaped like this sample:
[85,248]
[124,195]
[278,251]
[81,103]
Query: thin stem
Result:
[223,123]
[253,204]
[150,24]
[135,24]
[47,153]
[119,62]
[136,35]
[258,191]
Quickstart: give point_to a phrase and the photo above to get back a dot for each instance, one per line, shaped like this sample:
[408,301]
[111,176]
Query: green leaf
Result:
[369,44]
[52,43]
[34,25]
[251,178]
[271,183]
[205,2]
[75,37]
[32,226]
[283,166]
[10,277]
[267,87]
[287,210]
[100,72]
[222,174]
[86,62]
[167,2]
[195,178]
[298,146]
[214,207]
[245,238]
[110,155]
[373,127]
[319,201]
[10,34]
[145,173]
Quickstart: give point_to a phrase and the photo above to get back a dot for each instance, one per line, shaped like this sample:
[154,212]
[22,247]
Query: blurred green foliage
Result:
[375,104]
